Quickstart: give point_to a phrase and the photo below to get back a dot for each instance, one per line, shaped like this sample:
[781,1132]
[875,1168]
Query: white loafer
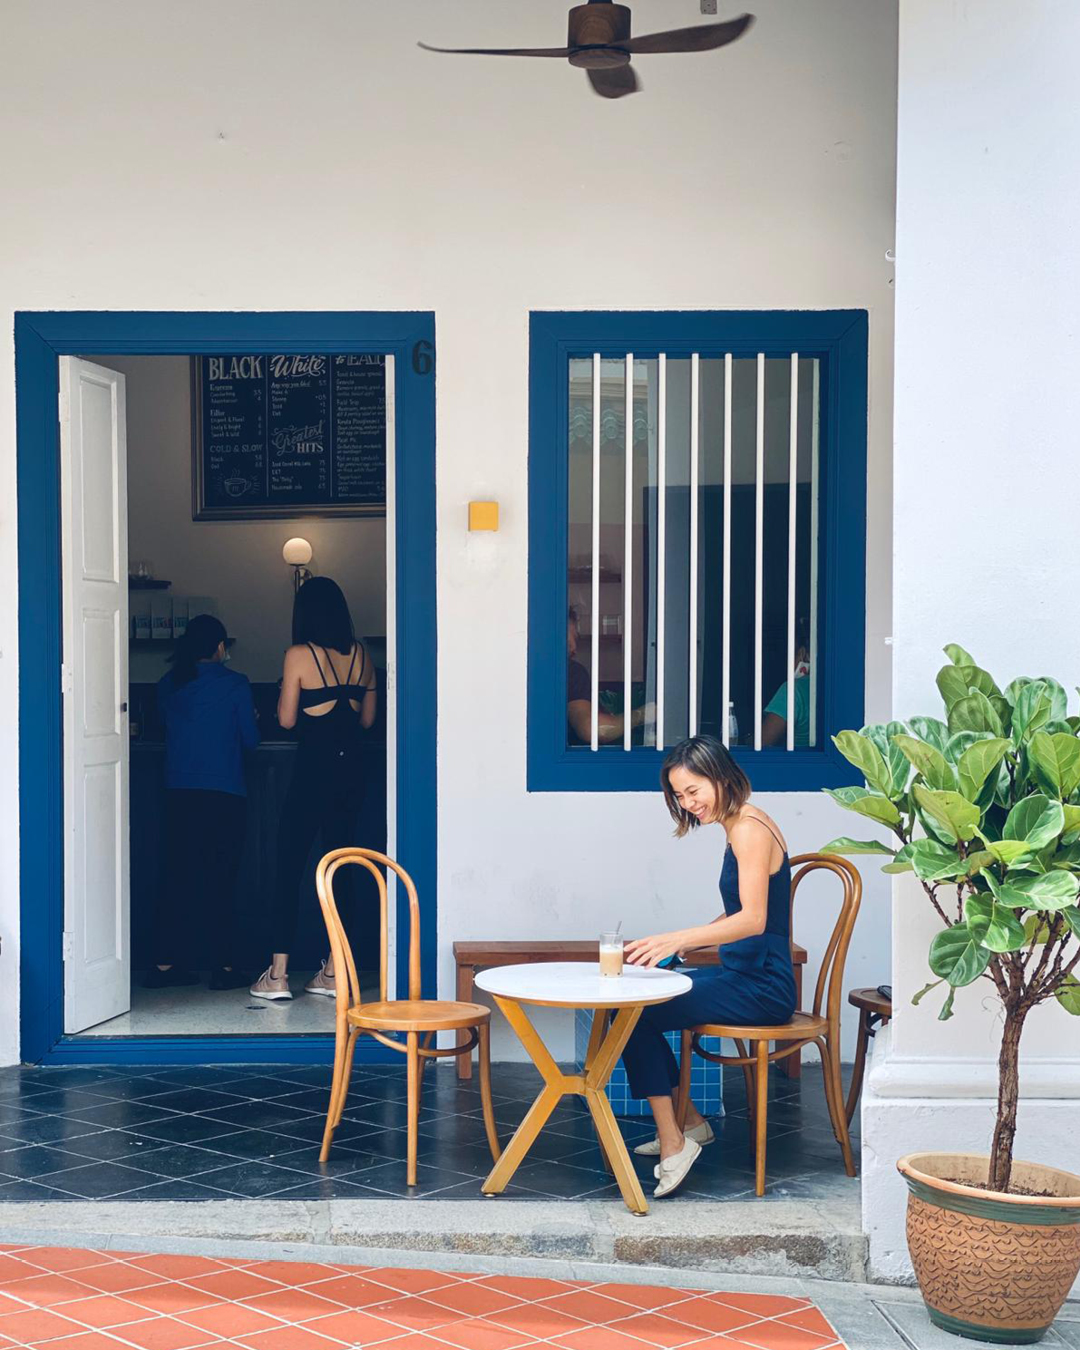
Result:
[702,1133]
[673,1170]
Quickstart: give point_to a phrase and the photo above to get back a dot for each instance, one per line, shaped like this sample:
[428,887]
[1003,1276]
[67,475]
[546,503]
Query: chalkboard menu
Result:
[279,436]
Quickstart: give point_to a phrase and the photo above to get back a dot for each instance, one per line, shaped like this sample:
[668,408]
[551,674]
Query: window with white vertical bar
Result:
[702,479]
[702,596]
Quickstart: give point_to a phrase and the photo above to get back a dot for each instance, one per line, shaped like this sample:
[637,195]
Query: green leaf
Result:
[869,804]
[957,816]
[957,655]
[917,998]
[977,861]
[866,757]
[955,682]
[936,862]
[902,861]
[1010,851]
[1072,918]
[1031,711]
[1068,995]
[1037,819]
[978,762]
[927,761]
[974,712]
[993,924]
[1059,700]
[1037,930]
[946,1007]
[951,685]
[931,730]
[1056,762]
[1047,891]
[957,956]
[846,845]
[1012,693]
[899,768]
[1072,819]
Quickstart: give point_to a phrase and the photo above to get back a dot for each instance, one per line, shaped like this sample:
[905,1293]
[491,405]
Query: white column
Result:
[986,361]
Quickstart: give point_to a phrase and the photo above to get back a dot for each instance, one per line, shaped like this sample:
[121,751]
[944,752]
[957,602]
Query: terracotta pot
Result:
[990,1266]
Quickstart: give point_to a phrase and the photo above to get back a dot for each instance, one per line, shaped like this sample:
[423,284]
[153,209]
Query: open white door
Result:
[93,459]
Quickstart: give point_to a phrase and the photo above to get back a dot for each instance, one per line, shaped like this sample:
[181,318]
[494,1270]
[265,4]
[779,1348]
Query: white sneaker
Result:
[267,986]
[321,984]
[673,1171]
[702,1133]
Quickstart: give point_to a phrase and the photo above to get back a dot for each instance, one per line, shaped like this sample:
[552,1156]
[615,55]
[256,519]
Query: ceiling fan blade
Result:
[614,82]
[498,51]
[701,38]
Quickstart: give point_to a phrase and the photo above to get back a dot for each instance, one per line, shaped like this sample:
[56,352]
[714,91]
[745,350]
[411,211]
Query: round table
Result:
[573,984]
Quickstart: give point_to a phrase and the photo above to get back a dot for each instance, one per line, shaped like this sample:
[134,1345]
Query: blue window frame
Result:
[837,341]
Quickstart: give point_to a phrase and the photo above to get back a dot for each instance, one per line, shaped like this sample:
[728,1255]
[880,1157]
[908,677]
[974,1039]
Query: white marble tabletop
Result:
[579,984]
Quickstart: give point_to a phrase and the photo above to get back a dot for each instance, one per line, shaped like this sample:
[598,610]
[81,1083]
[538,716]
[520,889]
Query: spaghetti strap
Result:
[318,666]
[759,821]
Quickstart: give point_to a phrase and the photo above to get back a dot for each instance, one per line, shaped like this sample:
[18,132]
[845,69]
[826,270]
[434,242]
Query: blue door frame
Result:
[40,339]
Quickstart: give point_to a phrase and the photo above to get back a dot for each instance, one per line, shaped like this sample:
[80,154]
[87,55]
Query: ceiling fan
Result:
[599,41]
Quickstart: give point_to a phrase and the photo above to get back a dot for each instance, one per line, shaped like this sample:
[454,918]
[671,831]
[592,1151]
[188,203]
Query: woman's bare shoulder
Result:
[755,831]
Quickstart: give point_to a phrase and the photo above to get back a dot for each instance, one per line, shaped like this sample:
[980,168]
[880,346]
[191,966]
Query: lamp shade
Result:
[297,552]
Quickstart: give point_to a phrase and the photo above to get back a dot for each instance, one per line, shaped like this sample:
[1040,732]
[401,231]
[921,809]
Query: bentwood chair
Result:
[409,1025]
[820,1026]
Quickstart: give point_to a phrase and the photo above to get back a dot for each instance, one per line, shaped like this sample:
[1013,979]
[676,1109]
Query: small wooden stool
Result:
[875,1010]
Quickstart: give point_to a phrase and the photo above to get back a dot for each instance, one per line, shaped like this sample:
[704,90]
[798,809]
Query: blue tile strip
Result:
[706,1081]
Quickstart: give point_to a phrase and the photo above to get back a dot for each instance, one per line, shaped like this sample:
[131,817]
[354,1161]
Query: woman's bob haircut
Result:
[708,758]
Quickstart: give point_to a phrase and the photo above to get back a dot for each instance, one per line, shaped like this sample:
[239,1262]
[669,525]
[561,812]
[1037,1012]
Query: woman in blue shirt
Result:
[209,717]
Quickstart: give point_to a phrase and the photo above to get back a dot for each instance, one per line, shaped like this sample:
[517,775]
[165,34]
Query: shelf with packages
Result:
[148,584]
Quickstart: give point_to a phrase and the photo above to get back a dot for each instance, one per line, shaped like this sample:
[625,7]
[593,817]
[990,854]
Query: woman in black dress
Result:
[328,694]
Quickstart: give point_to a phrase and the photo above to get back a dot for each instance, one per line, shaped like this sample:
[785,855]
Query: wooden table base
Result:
[605,1047]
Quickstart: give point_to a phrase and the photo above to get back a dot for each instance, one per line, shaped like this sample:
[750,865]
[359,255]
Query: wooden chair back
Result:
[348,989]
[829,989]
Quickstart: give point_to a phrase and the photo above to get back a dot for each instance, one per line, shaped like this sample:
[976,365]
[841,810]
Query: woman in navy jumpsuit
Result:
[755,984]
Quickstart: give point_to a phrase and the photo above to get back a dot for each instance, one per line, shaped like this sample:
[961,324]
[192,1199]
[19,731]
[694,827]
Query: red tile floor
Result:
[67,1299]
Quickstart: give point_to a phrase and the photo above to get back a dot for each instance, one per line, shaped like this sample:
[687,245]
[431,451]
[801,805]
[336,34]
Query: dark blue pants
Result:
[727,996]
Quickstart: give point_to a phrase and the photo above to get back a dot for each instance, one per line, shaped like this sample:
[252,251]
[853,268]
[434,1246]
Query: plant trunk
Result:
[1001,1150]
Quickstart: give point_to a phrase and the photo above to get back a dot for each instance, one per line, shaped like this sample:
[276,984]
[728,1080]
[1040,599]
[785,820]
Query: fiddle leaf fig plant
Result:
[984,808]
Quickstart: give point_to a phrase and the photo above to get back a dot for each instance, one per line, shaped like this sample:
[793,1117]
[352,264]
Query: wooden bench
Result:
[473,956]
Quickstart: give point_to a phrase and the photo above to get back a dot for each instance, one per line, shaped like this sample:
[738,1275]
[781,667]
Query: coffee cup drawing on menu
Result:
[611,954]
[236,487]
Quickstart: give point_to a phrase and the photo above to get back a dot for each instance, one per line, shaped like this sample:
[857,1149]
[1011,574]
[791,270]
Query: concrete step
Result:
[822,1240]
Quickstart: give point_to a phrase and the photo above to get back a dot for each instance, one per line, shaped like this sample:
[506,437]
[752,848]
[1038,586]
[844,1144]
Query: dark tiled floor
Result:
[198,1133]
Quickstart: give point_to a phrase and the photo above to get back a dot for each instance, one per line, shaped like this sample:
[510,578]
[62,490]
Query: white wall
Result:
[236,563]
[987,349]
[265,155]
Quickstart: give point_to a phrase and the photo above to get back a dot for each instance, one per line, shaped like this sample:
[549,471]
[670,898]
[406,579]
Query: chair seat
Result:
[429,1014]
[803,1026]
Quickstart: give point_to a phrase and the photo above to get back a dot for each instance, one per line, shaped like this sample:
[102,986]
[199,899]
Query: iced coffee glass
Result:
[611,954]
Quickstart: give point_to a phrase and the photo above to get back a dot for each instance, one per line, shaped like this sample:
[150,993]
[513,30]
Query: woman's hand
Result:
[650,951]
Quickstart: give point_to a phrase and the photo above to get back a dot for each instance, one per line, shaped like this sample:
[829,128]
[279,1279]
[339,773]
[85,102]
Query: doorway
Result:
[154,353]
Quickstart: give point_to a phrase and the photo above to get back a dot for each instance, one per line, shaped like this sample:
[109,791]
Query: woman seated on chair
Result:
[754,986]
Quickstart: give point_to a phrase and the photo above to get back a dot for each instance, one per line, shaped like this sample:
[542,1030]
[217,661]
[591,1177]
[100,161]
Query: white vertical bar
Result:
[389,976]
[695,371]
[726,698]
[759,543]
[793,470]
[814,480]
[628,548]
[594,714]
[661,543]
